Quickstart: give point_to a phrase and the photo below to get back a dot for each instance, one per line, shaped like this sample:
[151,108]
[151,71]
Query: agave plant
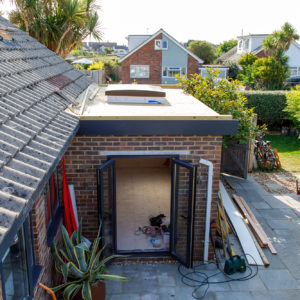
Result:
[81,266]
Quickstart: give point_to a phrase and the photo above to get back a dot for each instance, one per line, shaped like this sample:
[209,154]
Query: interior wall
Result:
[143,188]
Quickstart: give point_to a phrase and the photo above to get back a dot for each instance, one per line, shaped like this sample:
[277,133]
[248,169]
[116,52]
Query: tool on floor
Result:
[235,263]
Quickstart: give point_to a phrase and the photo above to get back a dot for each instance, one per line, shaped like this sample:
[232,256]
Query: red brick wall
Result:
[83,157]
[48,276]
[144,56]
[192,65]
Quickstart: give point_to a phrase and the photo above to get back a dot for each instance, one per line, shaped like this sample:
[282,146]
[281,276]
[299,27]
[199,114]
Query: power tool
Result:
[235,263]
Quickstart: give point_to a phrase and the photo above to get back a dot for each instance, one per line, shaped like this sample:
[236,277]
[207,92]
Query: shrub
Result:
[224,97]
[293,106]
[96,66]
[269,74]
[269,106]
[78,66]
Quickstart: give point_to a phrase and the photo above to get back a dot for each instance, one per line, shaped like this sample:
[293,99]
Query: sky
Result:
[211,20]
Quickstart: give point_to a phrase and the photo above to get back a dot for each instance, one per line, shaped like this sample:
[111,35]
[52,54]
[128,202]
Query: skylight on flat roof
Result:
[135,90]
[135,94]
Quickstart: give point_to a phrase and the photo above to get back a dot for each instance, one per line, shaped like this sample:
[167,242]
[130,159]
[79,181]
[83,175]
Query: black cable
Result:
[189,278]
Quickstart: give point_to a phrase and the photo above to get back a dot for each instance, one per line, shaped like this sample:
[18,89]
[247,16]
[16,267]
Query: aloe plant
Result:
[80,265]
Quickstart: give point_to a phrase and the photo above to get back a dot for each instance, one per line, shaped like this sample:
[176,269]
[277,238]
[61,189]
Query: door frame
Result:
[100,195]
[138,253]
[191,211]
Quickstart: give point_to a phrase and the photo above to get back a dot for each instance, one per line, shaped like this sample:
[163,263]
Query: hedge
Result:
[268,105]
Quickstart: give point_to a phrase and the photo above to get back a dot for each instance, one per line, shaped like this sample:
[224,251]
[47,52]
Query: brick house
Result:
[130,152]
[157,59]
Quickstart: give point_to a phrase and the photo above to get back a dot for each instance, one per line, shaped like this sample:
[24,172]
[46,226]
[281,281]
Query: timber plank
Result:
[243,234]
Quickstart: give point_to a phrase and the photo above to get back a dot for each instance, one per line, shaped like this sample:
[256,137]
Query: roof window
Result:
[135,94]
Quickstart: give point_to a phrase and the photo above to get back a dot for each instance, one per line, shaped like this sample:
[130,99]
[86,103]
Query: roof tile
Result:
[36,87]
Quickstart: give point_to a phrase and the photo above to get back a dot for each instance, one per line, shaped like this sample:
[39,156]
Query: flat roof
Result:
[177,106]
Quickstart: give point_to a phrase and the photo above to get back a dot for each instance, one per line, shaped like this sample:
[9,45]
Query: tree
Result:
[225,47]
[247,60]
[58,24]
[107,51]
[269,74]
[263,73]
[280,40]
[224,97]
[203,49]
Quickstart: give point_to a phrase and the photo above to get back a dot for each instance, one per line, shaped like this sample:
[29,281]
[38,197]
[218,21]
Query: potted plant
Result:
[82,267]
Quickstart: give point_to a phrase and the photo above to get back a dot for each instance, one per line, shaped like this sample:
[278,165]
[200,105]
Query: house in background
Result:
[157,59]
[118,50]
[222,69]
[252,43]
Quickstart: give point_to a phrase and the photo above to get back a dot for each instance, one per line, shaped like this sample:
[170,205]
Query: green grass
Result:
[288,150]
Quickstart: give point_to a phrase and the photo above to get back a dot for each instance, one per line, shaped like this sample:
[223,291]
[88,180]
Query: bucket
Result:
[166,238]
[156,242]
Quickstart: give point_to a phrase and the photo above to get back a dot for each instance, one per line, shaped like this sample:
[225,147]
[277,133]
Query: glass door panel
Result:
[182,211]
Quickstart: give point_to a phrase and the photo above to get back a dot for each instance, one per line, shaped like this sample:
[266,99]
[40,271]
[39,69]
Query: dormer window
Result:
[247,44]
[161,45]
[240,44]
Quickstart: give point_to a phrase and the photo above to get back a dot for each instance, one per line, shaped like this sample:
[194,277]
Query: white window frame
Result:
[240,44]
[137,67]
[173,69]
[159,44]
[296,70]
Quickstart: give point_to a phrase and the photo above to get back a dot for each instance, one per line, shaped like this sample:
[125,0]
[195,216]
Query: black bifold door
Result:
[182,208]
[182,211]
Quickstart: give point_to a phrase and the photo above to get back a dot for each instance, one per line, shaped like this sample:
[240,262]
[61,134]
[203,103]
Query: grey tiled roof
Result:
[229,55]
[36,87]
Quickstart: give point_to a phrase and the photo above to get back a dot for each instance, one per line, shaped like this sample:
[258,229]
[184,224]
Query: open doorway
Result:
[143,192]
[132,190]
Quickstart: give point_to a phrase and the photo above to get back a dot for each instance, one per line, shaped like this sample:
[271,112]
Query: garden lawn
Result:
[288,150]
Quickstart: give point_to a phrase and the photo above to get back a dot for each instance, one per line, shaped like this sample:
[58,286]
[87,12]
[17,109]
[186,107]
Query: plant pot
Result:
[98,292]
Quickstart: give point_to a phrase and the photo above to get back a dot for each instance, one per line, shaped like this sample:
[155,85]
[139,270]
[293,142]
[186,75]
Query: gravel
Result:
[277,182]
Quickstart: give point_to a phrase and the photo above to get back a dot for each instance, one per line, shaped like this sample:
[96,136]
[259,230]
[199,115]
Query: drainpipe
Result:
[208,206]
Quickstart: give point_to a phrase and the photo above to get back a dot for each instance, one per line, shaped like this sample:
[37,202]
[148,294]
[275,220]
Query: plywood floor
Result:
[140,192]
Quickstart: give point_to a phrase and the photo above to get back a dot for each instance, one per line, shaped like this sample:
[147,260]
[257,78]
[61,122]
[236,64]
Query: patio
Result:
[280,218]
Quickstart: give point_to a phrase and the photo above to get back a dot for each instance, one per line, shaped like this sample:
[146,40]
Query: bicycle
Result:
[266,157]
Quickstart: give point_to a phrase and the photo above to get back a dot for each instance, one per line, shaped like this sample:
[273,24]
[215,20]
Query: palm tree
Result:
[59,24]
[287,35]
[280,40]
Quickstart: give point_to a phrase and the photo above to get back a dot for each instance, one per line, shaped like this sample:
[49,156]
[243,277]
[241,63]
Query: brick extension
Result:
[83,157]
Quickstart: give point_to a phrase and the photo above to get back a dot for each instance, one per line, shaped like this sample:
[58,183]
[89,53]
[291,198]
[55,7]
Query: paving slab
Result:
[234,296]
[261,205]
[123,297]
[275,187]
[278,280]
[279,214]
[275,202]
[253,284]
[150,297]
[275,295]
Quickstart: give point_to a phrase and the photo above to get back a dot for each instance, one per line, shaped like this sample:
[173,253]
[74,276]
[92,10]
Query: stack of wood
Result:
[256,228]
[253,228]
